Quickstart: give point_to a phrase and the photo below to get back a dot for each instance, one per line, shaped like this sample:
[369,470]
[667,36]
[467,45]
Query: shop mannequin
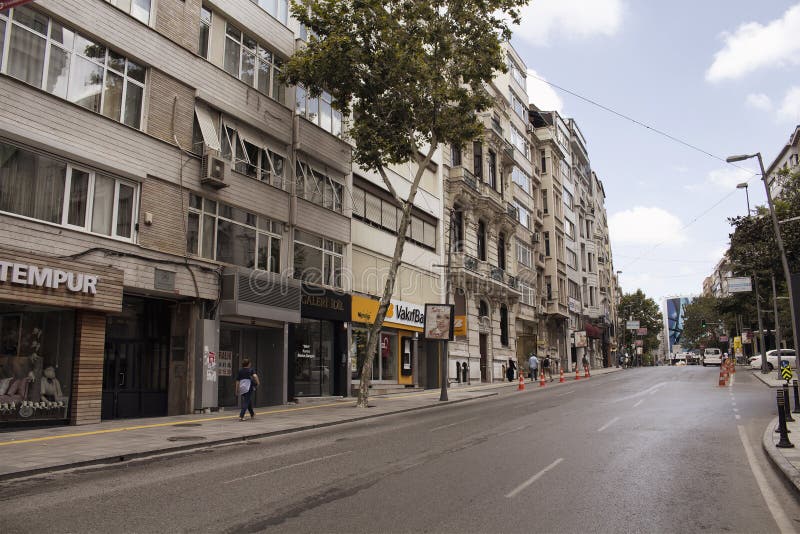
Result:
[51,387]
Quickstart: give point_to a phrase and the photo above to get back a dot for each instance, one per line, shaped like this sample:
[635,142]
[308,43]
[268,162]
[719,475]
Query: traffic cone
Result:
[577,375]
[721,377]
[521,386]
[586,372]
[561,376]
[541,380]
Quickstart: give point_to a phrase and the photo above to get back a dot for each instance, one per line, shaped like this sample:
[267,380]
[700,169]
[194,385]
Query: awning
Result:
[207,128]
[593,332]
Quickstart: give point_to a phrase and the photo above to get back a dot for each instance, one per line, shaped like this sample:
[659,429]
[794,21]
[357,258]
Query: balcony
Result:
[480,277]
[464,175]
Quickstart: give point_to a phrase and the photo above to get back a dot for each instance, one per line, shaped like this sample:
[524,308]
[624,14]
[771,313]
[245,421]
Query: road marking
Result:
[738,416]
[313,460]
[533,479]
[736,409]
[638,403]
[452,424]
[608,424]
[523,427]
[634,395]
[565,393]
[783,522]
[654,391]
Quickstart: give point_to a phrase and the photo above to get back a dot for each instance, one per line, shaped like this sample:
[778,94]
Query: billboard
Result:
[674,313]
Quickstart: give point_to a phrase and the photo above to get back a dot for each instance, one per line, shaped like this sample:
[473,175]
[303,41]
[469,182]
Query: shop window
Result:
[36,352]
[55,58]
[46,189]
[317,260]
[221,232]
[504,325]
[313,372]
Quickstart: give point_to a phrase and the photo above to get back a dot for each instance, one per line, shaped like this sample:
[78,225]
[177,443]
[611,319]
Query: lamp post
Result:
[776,228]
[744,186]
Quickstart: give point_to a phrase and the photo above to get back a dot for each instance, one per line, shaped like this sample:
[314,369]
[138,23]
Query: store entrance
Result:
[483,341]
[136,363]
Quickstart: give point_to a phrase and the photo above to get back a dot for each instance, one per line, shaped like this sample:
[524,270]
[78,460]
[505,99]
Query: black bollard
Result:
[784,442]
[796,397]
[786,404]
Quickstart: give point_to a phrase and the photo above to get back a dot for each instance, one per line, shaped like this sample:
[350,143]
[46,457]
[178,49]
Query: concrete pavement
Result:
[786,460]
[30,452]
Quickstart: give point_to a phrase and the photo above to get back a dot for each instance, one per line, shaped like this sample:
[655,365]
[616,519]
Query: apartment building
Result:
[787,160]
[168,209]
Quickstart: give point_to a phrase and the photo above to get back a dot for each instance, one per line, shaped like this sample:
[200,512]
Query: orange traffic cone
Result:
[586,372]
[541,380]
[561,376]
[733,367]
[577,375]
[722,377]
[521,386]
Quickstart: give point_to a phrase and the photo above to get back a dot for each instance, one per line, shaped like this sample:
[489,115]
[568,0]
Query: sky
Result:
[720,75]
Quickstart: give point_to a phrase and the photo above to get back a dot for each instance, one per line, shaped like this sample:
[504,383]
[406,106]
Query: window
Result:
[138,9]
[455,156]
[543,156]
[518,107]
[319,188]
[572,259]
[317,260]
[481,241]
[528,295]
[46,189]
[49,56]
[521,179]
[319,110]
[251,159]
[493,170]
[516,72]
[504,325]
[523,214]
[547,244]
[569,200]
[483,309]
[519,142]
[458,229]
[549,287]
[524,254]
[570,229]
[277,8]
[386,215]
[252,63]
[477,160]
[501,251]
[205,32]
[221,232]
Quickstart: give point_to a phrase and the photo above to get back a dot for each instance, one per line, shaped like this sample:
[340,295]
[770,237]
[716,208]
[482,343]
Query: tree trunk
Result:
[374,330]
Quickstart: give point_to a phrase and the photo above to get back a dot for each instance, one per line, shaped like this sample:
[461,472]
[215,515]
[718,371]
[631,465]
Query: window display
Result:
[36,350]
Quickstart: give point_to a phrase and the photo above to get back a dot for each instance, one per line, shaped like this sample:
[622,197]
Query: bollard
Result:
[786,404]
[796,397]
[586,372]
[784,442]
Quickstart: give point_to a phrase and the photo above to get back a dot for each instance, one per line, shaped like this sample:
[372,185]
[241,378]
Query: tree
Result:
[410,74]
[645,310]
[703,310]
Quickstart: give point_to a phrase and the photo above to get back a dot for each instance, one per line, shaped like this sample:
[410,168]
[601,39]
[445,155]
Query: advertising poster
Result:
[439,321]
[580,338]
[225,363]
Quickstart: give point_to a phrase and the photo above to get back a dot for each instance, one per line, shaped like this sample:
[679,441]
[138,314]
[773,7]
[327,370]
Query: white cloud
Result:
[645,226]
[790,107]
[543,20]
[542,95]
[724,179]
[753,46]
[759,101]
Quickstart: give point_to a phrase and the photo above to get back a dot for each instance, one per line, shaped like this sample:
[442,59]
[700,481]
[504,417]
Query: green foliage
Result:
[703,323]
[646,311]
[408,73]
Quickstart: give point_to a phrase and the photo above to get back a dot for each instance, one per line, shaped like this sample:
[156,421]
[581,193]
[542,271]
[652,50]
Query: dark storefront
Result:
[318,345]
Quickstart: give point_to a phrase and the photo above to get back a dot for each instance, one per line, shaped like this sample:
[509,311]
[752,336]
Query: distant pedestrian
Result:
[533,364]
[246,383]
[512,366]
[585,362]
[546,367]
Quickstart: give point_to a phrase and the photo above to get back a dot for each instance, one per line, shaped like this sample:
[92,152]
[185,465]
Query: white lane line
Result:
[452,424]
[784,524]
[565,393]
[654,391]
[313,460]
[533,479]
[523,427]
[736,409]
[608,424]
[638,403]
[738,416]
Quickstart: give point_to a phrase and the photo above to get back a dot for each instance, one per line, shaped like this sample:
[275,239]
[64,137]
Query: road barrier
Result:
[521,386]
[561,378]
[787,404]
[784,442]
[541,380]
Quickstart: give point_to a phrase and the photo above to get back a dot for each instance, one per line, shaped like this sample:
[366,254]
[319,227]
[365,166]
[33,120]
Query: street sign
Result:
[741,284]
[632,325]
[639,342]
[639,350]
[641,331]
[786,371]
[723,339]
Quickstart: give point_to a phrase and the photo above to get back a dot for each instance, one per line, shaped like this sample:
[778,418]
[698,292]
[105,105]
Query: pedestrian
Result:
[512,366]
[533,364]
[246,383]
[585,362]
[546,367]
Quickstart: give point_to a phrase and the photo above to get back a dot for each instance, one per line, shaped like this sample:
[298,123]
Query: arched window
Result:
[504,325]
[481,241]
[501,251]
[483,309]
[458,229]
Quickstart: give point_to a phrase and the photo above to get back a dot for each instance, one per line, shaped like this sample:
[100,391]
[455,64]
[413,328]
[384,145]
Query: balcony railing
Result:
[470,263]
[513,282]
[509,149]
[497,274]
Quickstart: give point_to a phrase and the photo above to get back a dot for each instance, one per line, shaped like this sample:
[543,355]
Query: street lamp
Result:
[776,228]
[744,186]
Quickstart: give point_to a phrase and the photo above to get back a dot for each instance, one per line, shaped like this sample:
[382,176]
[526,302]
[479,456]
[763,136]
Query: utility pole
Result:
[760,327]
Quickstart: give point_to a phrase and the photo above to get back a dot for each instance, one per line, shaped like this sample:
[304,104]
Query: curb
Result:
[768,443]
[184,449]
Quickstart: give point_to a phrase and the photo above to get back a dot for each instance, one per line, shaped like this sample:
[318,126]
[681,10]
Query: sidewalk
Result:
[787,460]
[41,450]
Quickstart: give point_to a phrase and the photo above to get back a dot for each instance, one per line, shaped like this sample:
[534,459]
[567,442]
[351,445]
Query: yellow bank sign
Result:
[401,314]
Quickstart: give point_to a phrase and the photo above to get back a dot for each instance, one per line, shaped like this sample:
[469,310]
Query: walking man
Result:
[533,364]
[546,367]
[246,383]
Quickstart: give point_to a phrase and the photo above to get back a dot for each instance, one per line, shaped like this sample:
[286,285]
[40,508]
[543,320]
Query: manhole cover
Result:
[185,438]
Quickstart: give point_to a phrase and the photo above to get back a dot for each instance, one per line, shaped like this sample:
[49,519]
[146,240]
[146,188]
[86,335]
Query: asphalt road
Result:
[642,450]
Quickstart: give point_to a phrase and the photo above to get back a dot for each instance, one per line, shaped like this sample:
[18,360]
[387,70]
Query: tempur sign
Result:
[46,277]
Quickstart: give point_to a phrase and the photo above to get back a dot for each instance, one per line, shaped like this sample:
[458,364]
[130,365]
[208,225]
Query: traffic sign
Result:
[631,325]
[786,371]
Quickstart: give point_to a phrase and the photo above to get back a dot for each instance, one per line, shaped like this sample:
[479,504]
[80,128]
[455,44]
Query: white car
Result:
[712,357]
[772,359]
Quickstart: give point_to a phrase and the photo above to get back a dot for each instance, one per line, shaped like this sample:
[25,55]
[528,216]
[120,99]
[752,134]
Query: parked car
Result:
[712,357]
[772,359]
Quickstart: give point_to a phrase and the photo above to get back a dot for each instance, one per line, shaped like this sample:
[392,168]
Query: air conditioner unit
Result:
[214,171]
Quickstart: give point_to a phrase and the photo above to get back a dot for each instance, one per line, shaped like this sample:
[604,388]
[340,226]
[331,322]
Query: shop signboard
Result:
[639,351]
[737,342]
[574,305]
[641,331]
[580,338]
[632,325]
[321,303]
[723,339]
[401,314]
[439,321]
[225,363]
[747,337]
[639,342]
[460,325]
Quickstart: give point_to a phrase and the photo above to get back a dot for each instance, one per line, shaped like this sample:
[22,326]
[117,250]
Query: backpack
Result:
[546,363]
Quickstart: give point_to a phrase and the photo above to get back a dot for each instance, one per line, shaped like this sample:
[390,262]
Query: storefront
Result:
[318,345]
[397,357]
[52,330]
